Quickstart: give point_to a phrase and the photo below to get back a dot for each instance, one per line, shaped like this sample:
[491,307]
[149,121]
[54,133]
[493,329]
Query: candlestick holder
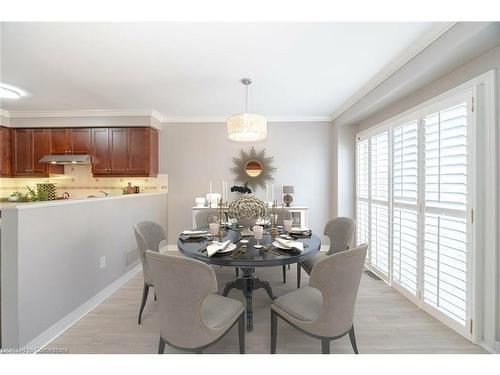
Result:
[274,215]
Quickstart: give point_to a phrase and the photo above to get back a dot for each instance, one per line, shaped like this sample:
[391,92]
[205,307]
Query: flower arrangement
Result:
[247,206]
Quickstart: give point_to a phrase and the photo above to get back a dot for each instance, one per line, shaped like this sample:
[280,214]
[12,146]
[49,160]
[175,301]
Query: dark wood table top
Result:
[253,257]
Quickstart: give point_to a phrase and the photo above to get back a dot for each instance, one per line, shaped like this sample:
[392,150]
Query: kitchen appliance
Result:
[66,159]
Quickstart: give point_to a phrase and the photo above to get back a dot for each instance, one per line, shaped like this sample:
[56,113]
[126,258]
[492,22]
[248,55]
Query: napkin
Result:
[216,246]
[291,244]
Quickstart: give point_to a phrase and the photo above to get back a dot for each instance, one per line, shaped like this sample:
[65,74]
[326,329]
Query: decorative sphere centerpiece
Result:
[246,210]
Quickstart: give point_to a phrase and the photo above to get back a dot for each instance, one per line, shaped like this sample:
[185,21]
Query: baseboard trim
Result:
[58,328]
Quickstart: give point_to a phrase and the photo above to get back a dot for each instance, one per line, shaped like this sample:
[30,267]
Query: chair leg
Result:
[325,346]
[145,292]
[274,331]
[155,296]
[161,346]
[284,274]
[241,333]
[299,271]
[237,272]
[352,337]
[289,266]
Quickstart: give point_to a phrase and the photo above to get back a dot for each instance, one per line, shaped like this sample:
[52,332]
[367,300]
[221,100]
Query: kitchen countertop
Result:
[60,202]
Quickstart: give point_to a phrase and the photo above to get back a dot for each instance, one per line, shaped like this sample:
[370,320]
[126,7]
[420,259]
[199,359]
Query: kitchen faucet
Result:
[106,194]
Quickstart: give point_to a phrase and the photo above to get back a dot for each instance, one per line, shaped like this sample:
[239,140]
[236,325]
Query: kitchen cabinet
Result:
[5,151]
[75,141]
[125,152]
[29,145]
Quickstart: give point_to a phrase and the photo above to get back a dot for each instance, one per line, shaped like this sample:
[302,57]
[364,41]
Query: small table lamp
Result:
[287,198]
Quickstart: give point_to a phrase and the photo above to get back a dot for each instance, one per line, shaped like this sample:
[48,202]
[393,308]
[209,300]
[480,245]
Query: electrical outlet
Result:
[102,262]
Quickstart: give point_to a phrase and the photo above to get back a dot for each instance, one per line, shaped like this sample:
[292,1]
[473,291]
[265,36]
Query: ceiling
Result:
[186,71]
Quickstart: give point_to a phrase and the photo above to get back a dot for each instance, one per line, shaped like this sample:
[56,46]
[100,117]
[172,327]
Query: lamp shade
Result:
[247,127]
[287,189]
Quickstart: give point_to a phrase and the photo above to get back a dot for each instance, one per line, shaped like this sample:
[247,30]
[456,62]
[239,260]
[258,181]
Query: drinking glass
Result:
[257,233]
[287,225]
[214,228]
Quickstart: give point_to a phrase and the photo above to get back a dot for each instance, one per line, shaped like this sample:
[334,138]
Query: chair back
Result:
[181,285]
[149,236]
[283,214]
[201,218]
[341,232]
[337,277]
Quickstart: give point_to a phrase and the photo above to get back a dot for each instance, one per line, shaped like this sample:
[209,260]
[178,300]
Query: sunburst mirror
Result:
[253,168]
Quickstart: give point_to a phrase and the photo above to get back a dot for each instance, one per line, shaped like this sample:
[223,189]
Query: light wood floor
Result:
[385,322]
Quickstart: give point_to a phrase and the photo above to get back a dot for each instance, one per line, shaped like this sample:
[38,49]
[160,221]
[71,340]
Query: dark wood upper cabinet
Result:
[59,141]
[81,141]
[118,149]
[40,149]
[100,151]
[22,152]
[70,141]
[5,151]
[125,152]
[138,152]
[29,145]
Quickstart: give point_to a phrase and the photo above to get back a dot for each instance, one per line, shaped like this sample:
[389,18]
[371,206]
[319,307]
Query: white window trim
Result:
[484,264]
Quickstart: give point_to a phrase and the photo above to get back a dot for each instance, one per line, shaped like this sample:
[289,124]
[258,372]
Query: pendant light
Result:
[247,127]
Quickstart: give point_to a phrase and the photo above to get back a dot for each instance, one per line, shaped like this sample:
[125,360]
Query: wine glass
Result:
[287,226]
[258,233]
[214,229]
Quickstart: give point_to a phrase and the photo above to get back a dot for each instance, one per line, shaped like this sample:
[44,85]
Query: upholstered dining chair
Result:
[149,236]
[325,308]
[341,232]
[283,214]
[192,317]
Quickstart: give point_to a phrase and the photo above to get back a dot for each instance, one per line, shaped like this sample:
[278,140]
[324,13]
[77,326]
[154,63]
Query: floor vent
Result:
[372,275]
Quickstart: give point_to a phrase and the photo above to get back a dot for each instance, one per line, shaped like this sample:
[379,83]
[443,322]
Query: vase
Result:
[246,223]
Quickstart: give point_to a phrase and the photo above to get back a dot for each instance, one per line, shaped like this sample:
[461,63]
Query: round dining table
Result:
[248,258]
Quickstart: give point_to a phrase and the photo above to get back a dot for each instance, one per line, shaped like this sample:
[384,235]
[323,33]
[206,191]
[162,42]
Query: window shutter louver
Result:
[445,227]
[404,206]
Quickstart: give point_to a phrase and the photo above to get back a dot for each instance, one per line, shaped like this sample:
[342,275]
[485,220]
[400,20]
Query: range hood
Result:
[65,159]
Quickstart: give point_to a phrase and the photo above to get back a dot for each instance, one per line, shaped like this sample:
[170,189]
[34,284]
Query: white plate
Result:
[195,233]
[230,247]
[280,246]
[299,230]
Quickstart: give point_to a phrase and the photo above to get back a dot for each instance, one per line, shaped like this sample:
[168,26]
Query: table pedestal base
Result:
[248,283]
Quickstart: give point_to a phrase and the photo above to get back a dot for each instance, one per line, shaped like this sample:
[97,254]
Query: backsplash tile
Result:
[79,182]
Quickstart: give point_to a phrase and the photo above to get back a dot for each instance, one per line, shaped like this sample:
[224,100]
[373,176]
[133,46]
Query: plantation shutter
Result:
[404,206]
[362,192]
[445,219]
[379,208]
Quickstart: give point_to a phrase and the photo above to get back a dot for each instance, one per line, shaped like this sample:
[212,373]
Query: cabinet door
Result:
[39,144]
[59,141]
[81,139]
[138,152]
[118,156]
[5,152]
[22,152]
[100,151]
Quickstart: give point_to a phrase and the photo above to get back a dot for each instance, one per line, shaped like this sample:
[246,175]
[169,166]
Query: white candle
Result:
[210,187]
[267,193]
[272,192]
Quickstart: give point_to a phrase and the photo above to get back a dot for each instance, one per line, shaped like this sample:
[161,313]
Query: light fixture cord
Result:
[246,99]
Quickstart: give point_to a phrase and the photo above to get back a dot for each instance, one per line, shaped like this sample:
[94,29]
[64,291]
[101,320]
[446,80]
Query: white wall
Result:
[50,257]
[194,153]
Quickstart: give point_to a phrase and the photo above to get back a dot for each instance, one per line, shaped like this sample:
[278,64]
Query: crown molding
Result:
[223,119]
[85,113]
[424,41]
[4,113]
